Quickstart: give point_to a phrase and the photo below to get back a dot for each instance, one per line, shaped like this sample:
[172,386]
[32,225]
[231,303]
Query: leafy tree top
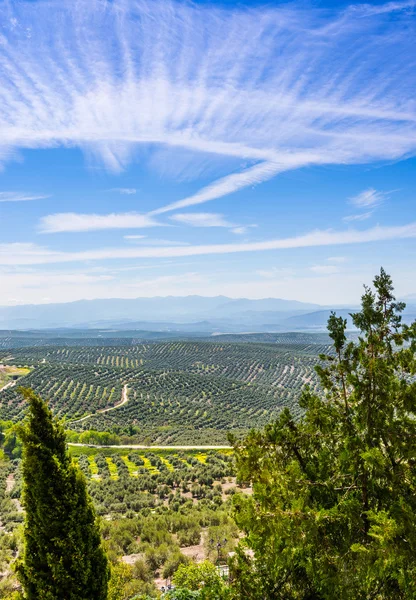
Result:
[332,513]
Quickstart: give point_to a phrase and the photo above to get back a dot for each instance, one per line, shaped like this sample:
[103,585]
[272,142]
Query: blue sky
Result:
[156,148]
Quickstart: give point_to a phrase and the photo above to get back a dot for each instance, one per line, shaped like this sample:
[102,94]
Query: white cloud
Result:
[388,7]
[231,183]
[210,220]
[358,217]
[20,196]
[144,240]
[202,219]
[70,222]
[281,92]
[126,191]
[325,269]
[18,253]
[368,199]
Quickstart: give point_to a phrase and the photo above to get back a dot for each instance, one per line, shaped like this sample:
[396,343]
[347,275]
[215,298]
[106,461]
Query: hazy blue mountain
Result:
[266,305]
[317,320]
[187,314]
[187,309]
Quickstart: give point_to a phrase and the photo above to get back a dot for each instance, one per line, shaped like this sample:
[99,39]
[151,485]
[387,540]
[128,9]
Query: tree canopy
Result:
[333,509]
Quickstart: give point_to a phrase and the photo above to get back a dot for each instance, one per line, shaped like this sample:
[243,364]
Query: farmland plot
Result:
[178,392]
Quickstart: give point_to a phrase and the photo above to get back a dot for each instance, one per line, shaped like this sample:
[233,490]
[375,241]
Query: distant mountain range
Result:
[173,313]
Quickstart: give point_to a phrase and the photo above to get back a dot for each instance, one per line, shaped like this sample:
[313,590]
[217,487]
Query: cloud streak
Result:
[20,196]
[368,198]
[76,222]
[125,191]
[358,217]
[202,220]
[27,253]
[274,88]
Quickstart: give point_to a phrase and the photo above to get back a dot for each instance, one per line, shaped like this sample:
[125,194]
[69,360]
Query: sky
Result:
[154,148]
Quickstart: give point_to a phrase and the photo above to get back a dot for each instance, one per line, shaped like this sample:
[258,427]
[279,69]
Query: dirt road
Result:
[124,399]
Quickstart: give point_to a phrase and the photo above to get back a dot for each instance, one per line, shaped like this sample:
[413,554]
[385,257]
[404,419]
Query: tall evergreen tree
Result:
[333,513]
[63,558]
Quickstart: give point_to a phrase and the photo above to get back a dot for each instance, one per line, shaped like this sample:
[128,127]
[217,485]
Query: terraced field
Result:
[177,392]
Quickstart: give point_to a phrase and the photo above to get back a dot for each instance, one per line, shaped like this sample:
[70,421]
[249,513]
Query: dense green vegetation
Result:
[158,509]
[178,392]
[333,509]
[62,555]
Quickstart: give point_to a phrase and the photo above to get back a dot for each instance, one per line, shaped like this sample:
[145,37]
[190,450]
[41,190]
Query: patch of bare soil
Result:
[9,483]
[130,559]
[229,485]
[197,552]
[19,507]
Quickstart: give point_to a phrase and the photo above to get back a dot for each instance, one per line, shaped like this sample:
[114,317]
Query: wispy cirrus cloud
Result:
[358,217]
[202,219]
[210,220]
[77,222]
[138,239]
[388,7]
[368,198]
[27,253]
[125,191]
[20,196]
[273,87]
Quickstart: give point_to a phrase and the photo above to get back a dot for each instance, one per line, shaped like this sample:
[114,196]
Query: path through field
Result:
[124,399]
[8,385]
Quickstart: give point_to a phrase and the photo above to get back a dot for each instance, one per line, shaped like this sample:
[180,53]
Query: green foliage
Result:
[9,441]
[62,556]
[203,577]
[90,436]
[332,514]
[173,563]
[128,582]
[181,594]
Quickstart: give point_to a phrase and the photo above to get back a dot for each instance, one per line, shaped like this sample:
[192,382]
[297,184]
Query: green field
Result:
[167,393]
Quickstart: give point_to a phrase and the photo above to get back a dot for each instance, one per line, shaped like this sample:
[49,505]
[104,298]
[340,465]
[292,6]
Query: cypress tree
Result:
[63,558]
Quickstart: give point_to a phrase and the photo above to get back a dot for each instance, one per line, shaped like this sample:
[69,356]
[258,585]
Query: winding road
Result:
[9,384]
[124,400]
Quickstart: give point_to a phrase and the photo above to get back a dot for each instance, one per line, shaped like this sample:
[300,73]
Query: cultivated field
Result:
[184,392]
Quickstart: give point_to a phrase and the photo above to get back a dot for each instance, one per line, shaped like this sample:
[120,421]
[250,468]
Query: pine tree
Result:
[334,503]
[63,558]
